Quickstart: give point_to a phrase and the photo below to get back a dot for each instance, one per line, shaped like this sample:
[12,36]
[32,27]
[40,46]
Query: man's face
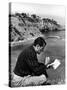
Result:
[39,48]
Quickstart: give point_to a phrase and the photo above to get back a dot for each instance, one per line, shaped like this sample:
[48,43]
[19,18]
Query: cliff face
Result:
[23,26]
[50,25]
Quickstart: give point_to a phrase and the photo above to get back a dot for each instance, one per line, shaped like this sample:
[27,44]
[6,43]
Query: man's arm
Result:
[36,67]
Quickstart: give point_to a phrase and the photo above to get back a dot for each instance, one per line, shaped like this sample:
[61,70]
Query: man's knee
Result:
[43,77]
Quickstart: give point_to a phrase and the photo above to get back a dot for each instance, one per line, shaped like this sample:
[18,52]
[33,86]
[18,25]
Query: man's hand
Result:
[50,65]
[47,60]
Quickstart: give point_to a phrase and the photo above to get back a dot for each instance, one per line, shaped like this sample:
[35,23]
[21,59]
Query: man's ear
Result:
[38,46]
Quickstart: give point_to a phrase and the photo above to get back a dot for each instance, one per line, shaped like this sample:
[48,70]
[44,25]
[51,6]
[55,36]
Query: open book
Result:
[55,64]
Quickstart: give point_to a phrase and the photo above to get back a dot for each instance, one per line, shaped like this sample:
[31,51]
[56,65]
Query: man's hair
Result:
[39,41]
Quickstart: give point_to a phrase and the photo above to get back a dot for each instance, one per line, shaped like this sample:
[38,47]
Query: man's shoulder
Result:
[28,49]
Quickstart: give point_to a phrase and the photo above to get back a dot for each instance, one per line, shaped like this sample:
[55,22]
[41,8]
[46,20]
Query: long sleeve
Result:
[36,67]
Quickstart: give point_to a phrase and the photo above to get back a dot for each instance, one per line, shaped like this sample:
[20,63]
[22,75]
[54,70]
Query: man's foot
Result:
[46,83]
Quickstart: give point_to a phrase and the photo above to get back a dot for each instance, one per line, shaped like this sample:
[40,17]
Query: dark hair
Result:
[40,41]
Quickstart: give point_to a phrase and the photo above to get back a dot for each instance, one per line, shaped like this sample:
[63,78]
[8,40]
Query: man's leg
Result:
[35,80]
[16,80]
[28,80]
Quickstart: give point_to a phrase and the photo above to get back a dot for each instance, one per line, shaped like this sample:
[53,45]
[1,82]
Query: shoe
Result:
[46,83]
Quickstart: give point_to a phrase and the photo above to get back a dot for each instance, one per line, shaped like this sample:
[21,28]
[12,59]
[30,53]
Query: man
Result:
[28,71]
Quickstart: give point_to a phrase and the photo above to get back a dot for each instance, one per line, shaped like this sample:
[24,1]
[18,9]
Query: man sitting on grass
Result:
[28,71]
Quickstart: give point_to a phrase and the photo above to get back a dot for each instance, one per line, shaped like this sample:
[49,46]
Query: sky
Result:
[55,12]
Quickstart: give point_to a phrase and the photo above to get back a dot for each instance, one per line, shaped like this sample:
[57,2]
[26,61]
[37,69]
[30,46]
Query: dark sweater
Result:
[27,63]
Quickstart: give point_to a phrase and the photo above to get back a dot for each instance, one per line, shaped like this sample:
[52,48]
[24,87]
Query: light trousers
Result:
[28,80]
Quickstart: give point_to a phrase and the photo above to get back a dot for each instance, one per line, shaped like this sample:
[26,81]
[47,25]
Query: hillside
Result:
[23,26]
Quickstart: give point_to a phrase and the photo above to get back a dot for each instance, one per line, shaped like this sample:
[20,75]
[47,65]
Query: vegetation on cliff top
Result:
[23,26]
